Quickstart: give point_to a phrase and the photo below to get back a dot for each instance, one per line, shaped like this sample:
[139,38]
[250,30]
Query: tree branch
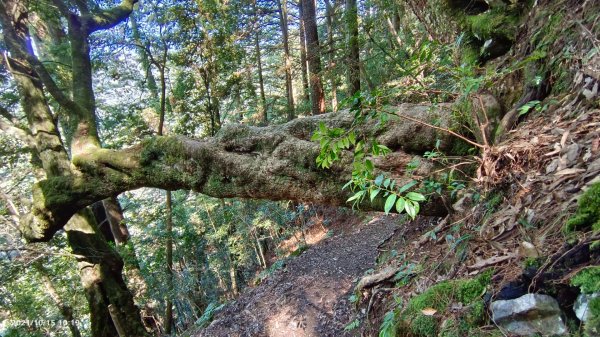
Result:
[274,163]
[111,17]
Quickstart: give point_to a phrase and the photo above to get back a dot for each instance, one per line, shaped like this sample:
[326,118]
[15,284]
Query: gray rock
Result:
[581,306]
[528,315]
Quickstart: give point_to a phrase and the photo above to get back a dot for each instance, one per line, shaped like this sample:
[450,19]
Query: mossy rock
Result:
[588,213]
[489,33]
[588,280]
[592,326]
[440,297]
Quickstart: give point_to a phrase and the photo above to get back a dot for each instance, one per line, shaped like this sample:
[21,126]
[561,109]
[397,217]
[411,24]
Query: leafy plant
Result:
[352,325]
[388,326]
[206,317]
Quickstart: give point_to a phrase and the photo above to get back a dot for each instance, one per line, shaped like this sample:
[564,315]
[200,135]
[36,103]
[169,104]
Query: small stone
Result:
[528,315]
[581,306]
[572,152]
[527,249]
[552,166]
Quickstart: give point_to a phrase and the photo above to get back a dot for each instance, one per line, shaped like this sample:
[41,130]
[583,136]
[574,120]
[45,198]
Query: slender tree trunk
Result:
[144,59]
[168,322]
[393,26]
[65,309]
[212,105]
[330,57]
[169,303]
[283,20]
[353,47]
[303,64]
[313,55]
[261,83]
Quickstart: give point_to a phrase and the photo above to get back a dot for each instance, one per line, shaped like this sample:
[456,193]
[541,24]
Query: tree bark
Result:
[274,162]
[261,83]
[303,64]
[353,47]
[169,303]
[100,266]
[330,57]
[313,56]
[289,88]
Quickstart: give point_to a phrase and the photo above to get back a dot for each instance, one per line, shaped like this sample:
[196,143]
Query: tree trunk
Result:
[283,20]
[313,55]
[303,64]
[144,59]
[261,83]
[353,47]
[330,57]
[100,266]
[168,324]
[274,162]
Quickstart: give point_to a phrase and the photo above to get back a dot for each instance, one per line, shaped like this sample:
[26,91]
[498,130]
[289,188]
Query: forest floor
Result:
[310,296]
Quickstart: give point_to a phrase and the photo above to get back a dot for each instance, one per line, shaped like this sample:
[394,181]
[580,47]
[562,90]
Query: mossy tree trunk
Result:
[100,266]
[274,162]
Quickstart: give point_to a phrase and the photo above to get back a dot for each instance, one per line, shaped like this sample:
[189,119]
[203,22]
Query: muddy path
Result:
[310,296]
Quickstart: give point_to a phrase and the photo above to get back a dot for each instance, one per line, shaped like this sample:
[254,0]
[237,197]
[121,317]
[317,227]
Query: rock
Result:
[581,306]
[528,315]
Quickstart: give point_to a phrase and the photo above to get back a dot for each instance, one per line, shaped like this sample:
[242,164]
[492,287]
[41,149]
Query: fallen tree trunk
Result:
[274,162]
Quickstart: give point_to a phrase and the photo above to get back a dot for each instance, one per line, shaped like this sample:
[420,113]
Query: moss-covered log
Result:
[274,162]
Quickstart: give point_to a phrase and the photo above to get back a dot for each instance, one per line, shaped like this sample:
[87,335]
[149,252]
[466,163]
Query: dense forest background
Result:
[80,75]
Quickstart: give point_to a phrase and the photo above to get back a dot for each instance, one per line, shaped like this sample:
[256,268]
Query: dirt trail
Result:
[309,297]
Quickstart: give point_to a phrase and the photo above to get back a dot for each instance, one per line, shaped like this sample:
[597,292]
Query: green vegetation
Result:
[467,294]
[588,280]
[588,212]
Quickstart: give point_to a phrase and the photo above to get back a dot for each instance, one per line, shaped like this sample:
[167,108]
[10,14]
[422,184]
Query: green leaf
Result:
[400,205]
[415,196]
[386,183]
[356,196]
[389,203]
[359,146]
[322,128]
[369,165]
[384,149]
[352,137]
[410,209]
[346,142]
[374,193]
[379,180]
[347,184]
[407,186]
